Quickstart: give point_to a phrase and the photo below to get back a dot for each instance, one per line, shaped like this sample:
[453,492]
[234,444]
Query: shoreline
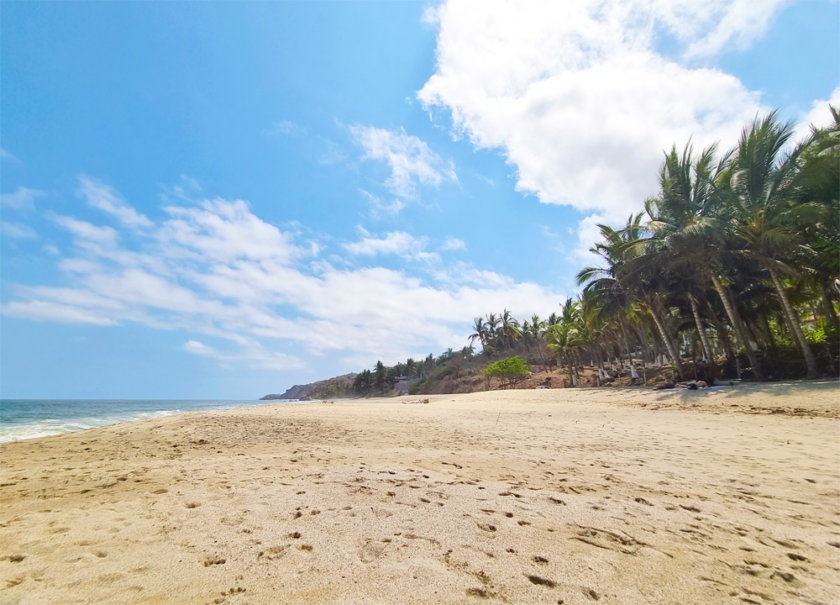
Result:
[24,419]
[627,494]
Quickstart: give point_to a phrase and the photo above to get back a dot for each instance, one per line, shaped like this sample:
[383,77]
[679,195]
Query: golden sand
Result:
[539,496]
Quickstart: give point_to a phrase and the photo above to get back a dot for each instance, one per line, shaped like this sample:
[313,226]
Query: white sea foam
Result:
[30,419]
[47,427]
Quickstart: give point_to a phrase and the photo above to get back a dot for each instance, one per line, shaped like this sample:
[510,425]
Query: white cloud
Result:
[818,116]
[453,243]
[720,25]
[588,234]
[104,198]
[199,348]
[17,230]
[86,233]
[7,156]
[410,160]
[399,243]
[226,230]
[281,127]
[54,311]
[22,198]
[576,96]
[258,356]
[216,270]
[380,208]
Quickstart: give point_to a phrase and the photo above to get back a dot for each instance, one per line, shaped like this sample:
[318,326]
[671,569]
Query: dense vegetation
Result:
[732,268]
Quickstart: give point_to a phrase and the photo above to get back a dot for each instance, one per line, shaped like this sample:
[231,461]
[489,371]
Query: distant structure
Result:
[402,383]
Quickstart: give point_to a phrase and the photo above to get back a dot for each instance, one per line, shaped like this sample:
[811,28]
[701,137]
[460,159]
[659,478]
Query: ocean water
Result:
[30,418]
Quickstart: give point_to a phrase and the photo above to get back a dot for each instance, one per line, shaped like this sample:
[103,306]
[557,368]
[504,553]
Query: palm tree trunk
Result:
[669,345]
[738,326]
[641,333]
[793,324]
[768,333]
[723,336]
[832,322]
[707,349]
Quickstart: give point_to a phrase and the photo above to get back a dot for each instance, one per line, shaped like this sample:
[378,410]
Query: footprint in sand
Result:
[540,581]
[371,551]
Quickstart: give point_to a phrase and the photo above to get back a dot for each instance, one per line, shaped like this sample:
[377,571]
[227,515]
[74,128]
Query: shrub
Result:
[510,369]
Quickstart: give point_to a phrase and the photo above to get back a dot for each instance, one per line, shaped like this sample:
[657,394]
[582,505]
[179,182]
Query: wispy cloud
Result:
[85,232]
[282,127]
[105,198]
[17,230]
[453,243]
[23,198]
[215,270]
[54,311]
[411,161]
[399,243]
[255,355]
[7,156]
[379,208]
[225,231]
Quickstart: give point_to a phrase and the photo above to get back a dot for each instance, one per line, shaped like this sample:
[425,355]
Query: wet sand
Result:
[540,496]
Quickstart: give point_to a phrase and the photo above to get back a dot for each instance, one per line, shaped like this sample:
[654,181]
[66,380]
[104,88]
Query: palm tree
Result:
[629,277]
[763,197]
[492,326]
[510,331]
[563,338]
[480,333]
[818,214]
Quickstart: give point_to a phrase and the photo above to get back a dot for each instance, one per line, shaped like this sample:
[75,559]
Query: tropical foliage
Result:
[733,267]
[510,369]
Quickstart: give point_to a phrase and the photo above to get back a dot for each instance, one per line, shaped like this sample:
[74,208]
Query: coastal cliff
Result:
[339,386]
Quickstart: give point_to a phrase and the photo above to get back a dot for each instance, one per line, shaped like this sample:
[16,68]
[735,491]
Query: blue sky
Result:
[219,200]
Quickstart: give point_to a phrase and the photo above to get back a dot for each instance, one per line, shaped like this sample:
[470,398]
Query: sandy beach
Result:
[533,496]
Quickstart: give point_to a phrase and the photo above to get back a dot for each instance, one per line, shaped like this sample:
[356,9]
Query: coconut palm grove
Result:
[730,272]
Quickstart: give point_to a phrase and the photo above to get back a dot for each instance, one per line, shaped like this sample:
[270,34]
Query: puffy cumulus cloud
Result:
[588,234]
[576,95]
[818,116]
[214,269]
[410,160]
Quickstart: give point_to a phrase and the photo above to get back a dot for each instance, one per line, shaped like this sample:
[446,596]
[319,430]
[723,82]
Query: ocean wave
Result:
[31,419]
[48,427]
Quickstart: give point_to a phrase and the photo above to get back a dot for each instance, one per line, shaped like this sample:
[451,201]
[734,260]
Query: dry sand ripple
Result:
[553,496]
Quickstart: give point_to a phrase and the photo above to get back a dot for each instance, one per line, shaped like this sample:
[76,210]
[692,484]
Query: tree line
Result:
[733,266]
[736,256]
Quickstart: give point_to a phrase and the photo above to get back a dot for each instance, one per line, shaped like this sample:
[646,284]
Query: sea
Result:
[31,418]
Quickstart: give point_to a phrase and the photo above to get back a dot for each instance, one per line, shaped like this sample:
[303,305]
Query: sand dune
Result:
[540,496]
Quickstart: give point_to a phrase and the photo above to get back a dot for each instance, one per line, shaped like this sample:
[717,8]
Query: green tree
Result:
[380,374]
[511,369]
